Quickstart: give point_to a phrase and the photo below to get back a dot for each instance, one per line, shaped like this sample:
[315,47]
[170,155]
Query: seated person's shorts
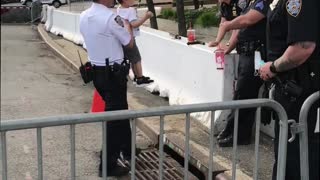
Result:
[132,54]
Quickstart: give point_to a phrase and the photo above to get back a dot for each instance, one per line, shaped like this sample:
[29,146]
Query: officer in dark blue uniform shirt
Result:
[247,40]
[293,51]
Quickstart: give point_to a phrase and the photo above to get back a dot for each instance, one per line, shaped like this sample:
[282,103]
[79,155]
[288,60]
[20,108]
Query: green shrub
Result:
[168,14]
[207,19]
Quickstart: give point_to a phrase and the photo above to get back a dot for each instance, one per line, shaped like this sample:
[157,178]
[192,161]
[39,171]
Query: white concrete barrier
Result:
[64,23]
[185,74]
[48,24]
[78,39]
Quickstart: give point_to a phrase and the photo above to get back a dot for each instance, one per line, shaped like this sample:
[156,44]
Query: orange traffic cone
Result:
[98,104]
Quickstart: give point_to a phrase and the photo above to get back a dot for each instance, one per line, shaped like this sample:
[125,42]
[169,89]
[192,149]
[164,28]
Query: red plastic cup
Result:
[219,55]
[191,34]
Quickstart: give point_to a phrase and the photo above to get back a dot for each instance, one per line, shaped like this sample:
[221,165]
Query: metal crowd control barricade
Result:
[36,8]
[73,120]
[302,129]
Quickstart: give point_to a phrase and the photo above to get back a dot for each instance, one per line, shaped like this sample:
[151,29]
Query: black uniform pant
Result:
[293,153]
[247,87]
[113,89]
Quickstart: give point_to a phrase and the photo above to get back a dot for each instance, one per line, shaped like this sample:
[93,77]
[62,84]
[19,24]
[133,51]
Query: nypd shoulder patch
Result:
[119,21]
[294,7]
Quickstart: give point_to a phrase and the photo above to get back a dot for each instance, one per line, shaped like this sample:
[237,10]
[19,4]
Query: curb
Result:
[44,35]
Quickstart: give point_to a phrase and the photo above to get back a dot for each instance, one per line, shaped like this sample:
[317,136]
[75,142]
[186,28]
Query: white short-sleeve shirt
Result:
[104,35]
[129,14]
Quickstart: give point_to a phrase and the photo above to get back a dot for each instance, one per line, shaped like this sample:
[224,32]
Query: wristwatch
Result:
[273,68]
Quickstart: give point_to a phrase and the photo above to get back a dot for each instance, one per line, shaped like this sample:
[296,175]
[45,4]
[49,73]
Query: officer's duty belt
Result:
[248,47]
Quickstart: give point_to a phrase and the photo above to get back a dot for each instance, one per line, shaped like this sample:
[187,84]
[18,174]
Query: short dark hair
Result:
[120,1]
[95,0]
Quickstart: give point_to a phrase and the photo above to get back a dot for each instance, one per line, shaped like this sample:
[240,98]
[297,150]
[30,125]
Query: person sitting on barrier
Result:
[247,40]
[293,52]
[104,34]
[129,13]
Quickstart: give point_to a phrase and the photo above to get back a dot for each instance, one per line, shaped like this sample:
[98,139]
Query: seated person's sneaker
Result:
[146,77]
[115,171]
[143,80]
[135,78]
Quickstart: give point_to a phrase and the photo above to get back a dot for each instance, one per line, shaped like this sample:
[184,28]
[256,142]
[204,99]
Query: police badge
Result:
[294,7]
[119,21]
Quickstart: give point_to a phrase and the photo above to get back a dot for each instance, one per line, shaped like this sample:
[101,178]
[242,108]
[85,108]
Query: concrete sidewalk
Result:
[139,98]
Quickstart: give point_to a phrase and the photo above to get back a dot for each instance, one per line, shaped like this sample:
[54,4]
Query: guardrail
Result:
[105,117]
[303,138]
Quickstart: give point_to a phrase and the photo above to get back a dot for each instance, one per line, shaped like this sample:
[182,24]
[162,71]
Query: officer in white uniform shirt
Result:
[104,34]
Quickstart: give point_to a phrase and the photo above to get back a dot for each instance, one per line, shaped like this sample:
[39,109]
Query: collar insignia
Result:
[294,7]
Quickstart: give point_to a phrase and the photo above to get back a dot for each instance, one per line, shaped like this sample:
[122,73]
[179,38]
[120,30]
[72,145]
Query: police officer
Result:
[230,9]
[104,34]
[247,40]
[293,51]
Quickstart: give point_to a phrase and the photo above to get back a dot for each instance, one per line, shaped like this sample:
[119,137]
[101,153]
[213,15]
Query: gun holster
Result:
[248,47]
[120,72]
[289,88]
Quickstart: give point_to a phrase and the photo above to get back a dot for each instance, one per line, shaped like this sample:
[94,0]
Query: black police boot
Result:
[228,141]
[228,130]
[127,156]
[224,133]
[115,171]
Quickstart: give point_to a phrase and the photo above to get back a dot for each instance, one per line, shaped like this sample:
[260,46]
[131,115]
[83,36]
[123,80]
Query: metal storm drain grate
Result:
[147,167]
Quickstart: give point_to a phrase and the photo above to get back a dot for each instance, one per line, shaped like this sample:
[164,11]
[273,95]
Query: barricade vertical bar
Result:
[303,137]
[161,148]
[104,150]
[235,140]
[73,151]
[186,156]
[282,149]
[211,146]
[39,146]
[133,149]
[256,147]
[4,156]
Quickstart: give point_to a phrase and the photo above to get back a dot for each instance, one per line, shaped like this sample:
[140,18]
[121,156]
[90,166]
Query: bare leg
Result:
[137,69]
[134,69]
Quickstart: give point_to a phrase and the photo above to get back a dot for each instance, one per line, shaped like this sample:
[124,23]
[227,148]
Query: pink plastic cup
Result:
[219,55]
[191,34]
